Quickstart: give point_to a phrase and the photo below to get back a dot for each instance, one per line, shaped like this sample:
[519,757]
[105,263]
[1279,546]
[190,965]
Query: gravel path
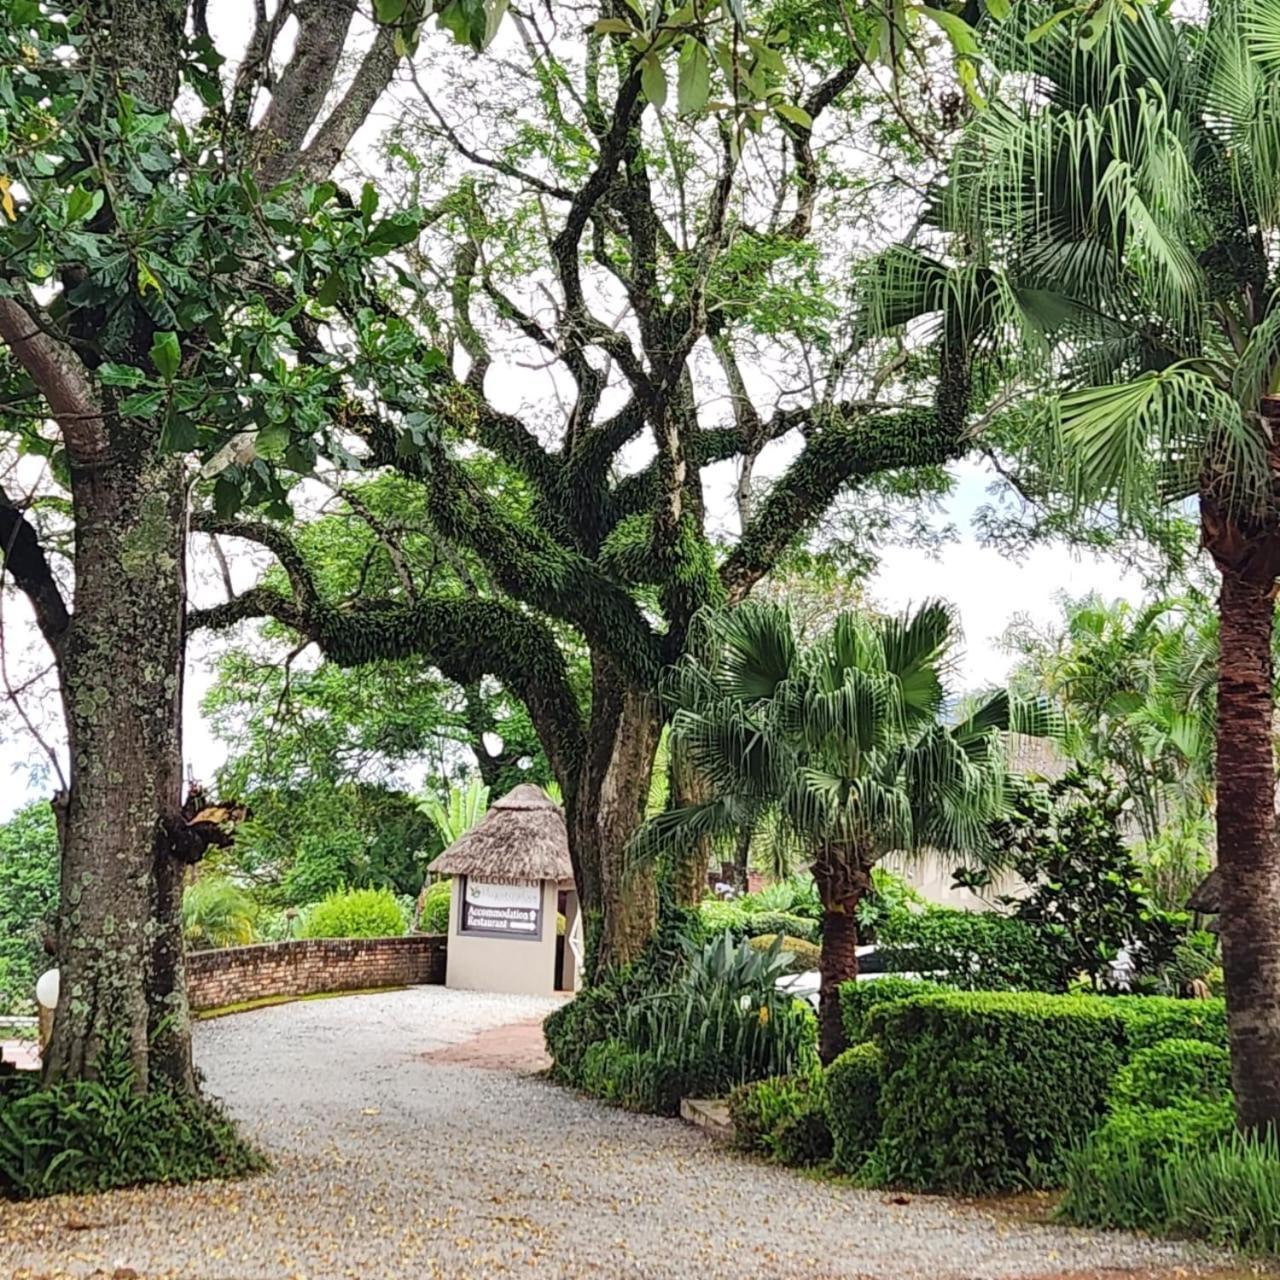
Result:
[388,1165]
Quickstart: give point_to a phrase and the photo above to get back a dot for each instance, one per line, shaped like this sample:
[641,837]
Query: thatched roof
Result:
[1207,899]
[522,837]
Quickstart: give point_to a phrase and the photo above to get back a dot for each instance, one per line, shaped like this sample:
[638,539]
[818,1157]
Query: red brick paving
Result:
[518,1047]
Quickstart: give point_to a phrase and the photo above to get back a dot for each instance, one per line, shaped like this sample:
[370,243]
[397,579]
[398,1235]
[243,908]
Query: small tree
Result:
[843,745]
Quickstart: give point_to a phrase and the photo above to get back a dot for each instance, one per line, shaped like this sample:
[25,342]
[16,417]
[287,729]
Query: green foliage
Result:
[771,922]
[1086,898]
[979,951]
[800,956]
[990,1091]
[355,913]
[891,898]
[687,1020]
[1129,1172]
[302,843]
[1183,1172]
[718,916]
[433,907]
[1171,1073]
[853,1084]
[858,998]
[783,1117]
[28,902]
[463,808]
[93,1136]
[216,912]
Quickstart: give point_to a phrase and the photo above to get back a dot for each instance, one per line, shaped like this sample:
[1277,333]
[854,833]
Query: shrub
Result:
[355,913]
[28,902]
[799,956]
[757,1109]
[853,1083]
[857,999]
[773,922]
[433,907]
[1171,1073]
[93,1136]
[717,916]
[979,951]
[1119,1178]
[216,912]
[783,1117]
[989,1091]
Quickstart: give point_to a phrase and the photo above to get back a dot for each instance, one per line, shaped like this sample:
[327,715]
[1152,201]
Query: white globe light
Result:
[493,743]
[47,989]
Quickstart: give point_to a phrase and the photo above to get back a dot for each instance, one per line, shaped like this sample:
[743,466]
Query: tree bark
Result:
[605,807]
[689,866]
[1248,851]
[119,925]
[843,879]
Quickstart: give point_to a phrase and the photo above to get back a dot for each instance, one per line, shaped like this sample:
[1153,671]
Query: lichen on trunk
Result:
[119,923]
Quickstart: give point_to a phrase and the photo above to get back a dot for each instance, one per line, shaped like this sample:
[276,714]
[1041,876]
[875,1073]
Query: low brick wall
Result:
[236,974]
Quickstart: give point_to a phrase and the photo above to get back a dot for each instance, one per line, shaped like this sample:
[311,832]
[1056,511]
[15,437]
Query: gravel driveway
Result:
[389,1166]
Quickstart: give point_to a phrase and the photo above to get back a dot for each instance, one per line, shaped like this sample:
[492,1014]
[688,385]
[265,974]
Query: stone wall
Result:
[237,974]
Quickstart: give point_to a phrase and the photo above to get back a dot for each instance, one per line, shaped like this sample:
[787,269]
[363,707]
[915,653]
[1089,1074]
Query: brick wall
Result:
[236,974]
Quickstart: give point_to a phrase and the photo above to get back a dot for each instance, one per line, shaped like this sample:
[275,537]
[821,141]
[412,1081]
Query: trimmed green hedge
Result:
[1172,1073]
[783,922]
[784,1117]
[857,999]
[988,1091]
[854,1081]
[804,956]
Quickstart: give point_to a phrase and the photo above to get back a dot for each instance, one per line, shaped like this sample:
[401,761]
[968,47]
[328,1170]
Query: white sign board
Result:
[501,910]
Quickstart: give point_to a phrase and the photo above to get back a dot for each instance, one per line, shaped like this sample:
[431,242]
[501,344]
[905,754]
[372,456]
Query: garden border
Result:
[314,966]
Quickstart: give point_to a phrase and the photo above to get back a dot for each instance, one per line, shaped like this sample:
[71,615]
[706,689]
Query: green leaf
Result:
[368,202]
[390,233]
[179,434]
[796,115]
[83,204]
[111,374]
[272,440]
[998,9]
[613,27]
[329,291]
[1038,33]
[389,10]
[166,355]
[653,80]
[226,496]
[693,83]
[142,405]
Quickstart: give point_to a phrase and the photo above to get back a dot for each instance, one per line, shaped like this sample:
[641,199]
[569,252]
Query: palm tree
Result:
[1113,214]
[840,745]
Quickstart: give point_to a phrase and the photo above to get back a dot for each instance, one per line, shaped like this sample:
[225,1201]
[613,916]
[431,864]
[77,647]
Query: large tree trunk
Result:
[606,806]
[689,866]
[843,878]
[1248,852]
[119,929]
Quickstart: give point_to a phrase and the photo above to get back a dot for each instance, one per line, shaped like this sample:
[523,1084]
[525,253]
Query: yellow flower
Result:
[764,1014]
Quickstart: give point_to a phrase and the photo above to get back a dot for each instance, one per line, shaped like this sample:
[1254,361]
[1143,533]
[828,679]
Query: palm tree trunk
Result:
[1248,851]
[842,881]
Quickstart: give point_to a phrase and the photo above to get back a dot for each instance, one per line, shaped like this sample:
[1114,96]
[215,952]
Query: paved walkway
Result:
[400,1151]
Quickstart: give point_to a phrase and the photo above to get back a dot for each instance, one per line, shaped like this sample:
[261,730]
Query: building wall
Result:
[233,975]
[929,874]
[519,966]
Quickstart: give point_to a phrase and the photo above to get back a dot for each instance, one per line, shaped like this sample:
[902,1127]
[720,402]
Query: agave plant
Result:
[844,743]
[1108,232]
[464,807]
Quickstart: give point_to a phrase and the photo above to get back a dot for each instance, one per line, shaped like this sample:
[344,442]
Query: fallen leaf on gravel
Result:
[897,1200]
[83,1224]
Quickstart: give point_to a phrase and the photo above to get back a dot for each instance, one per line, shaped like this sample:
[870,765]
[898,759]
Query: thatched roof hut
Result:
[522,837]
[1207,899]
